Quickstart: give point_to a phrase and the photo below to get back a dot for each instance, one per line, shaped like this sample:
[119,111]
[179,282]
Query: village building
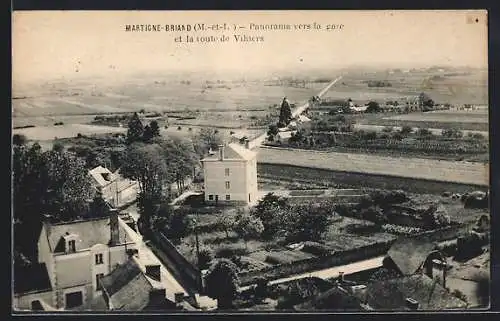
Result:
[72,257]
[133,286]
[115,189]
[231,175]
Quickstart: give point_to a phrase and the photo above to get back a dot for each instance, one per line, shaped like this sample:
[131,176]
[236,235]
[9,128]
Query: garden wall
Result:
[317,263]
[187,270]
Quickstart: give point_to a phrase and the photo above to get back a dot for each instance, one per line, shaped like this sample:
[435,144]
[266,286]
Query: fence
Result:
[317,263]
[186,270]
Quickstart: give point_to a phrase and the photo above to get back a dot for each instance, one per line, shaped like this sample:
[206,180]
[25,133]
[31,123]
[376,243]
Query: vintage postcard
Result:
[291,161]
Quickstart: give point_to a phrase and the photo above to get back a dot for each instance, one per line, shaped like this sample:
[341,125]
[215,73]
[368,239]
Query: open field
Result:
[457,87]
[44,133]
[427,169]
[153,95]
[290,175]
[476,116]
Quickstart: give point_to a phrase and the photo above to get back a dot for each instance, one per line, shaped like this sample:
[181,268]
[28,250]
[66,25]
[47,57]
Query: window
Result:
[228,197]
[74,299]
[72,246]
[98,258]
[98,281]
[228,185]
[210,197]
[227,171]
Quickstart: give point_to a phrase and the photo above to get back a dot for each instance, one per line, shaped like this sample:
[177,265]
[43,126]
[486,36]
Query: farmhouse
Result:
[231,175]
[72,257]
[114,188]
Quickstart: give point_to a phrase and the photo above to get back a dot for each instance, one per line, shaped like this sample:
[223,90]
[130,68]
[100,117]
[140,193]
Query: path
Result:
[146,256]
[332,272]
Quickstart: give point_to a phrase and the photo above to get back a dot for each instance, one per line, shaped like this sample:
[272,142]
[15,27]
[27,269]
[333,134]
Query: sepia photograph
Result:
[250,161]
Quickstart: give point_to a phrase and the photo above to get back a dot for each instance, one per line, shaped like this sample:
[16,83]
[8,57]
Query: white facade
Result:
[231,175]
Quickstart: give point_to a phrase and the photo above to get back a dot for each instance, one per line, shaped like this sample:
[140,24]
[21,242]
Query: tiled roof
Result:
[31,278]
[128,289]
[234,151]
[392,294]
[90,233]
[409,253]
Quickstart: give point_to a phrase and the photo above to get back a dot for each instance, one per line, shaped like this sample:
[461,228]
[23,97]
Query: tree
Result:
[99,207]
[261,290]
[373,107]
[308,222]
[207,138]
[285,113]
[271,210]
[155,129]
[225,222]
[49,182]
[181,157]
[147,135]
[135,130]
[248,227]
[425,101]
[222,282]
[436,216]
[145,164]
[206,256]
[179,225]
[19,139]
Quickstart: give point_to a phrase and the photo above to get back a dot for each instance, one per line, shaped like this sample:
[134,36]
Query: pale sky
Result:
[55,44]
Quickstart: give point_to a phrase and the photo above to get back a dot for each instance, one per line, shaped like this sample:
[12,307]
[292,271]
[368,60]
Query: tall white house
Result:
[231,175]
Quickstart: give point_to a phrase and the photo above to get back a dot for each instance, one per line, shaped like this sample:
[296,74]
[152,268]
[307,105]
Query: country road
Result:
[257,141]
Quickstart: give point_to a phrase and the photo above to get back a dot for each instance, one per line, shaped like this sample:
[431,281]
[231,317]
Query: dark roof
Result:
[33,278]
[90,232]
[129,289]
[234,151]
[392,294]
[333,299]
[409,253]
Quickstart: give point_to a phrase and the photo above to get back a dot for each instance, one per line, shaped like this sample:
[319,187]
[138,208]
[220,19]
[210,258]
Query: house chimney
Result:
[247,144]
[179,297]
[221,152]
[154,271]
[341,276]
[157,295]
[411,304]
[114,227]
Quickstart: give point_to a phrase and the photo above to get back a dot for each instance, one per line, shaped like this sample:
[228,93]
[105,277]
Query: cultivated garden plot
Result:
[447,171]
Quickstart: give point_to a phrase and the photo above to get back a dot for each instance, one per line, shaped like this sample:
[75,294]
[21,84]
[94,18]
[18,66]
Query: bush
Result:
[459,294]
[230,250]
[206,256]
[179,128]
[406,130]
